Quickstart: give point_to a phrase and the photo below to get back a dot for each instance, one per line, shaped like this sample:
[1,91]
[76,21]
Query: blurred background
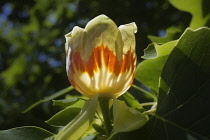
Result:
[32,54]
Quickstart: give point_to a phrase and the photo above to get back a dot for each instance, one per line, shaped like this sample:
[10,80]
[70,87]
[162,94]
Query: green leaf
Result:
[159,50]
[152,94]
[90,137]
[63,117]
[148,71]
[183,109]
[91,130]
[131,101]
[26,133]
[80,124]
[199,9]
[65,102]
[48,98]
[126,118]
[80,102]
[150,52]
[99,129]
[172,33]
[185,84]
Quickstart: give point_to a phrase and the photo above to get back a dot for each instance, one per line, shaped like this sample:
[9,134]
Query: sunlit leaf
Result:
[63,117]
[90,137]
[199,9]
[148,71]
[79,103]
[91,130]
[77,127]
[65,102]
[126,118]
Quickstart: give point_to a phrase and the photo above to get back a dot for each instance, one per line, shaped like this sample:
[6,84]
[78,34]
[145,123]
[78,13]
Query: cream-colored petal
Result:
[128,37]
[68,52]
[102,30]
[123,83]
[83,84]
[75,38]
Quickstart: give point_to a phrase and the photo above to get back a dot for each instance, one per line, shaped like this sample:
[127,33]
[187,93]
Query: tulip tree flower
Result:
[100,64]
[101,58]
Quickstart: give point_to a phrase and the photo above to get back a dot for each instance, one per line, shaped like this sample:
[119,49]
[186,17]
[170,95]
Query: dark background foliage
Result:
[32,56]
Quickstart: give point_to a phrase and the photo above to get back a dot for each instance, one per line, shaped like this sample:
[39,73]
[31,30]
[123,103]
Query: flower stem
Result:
[148,103]
[104,105]
[145,92]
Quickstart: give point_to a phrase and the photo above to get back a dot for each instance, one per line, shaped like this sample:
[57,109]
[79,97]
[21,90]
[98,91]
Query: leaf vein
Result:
[187,101]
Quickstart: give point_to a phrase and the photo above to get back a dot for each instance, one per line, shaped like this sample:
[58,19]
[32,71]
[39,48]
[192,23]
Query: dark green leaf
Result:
[63,117]
[183,105]
[185,84]
[26,133]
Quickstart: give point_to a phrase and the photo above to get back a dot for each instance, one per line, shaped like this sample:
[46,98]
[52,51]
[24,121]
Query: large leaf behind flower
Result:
[183,110]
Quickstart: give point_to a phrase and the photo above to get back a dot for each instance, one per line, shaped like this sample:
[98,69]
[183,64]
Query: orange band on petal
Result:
[129,61]
[102,56]
[104,61]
